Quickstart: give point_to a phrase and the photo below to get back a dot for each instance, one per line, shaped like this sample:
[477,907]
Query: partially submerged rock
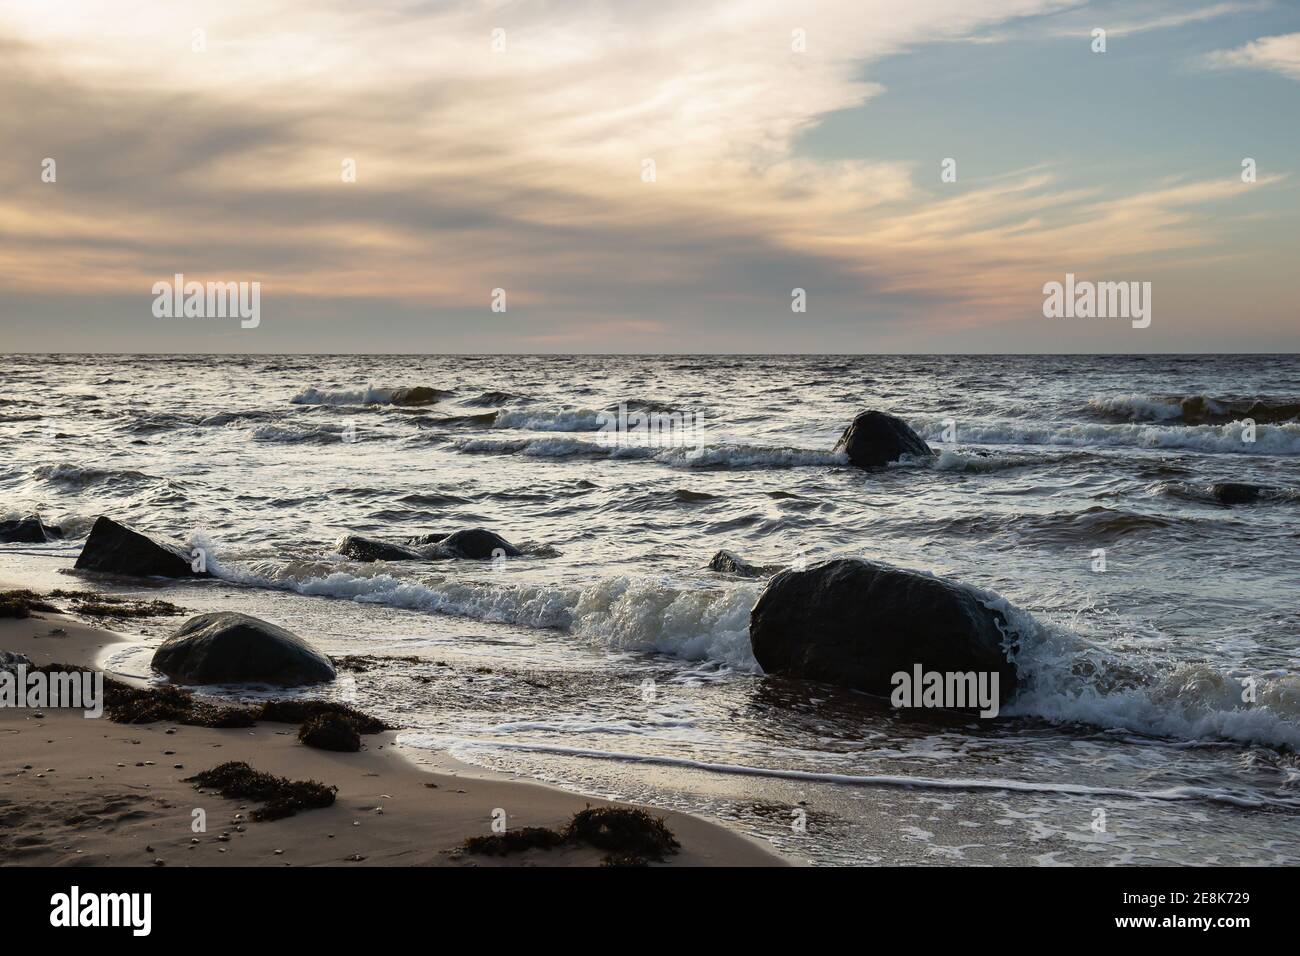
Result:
[359,548]
[417,395]
[225,647]
[875,439]
[478,544]
[728,562]
[1236,492]
[116,548]
[856,623]
[29,529]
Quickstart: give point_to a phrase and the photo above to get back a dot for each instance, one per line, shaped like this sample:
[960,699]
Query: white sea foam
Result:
[464,749]
[290,433]
[1064,678]
[622,613]
[1138,407]
[952,459]
[562,420]
[1068,680]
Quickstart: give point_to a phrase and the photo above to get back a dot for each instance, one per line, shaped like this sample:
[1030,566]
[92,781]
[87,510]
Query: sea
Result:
[1158,628]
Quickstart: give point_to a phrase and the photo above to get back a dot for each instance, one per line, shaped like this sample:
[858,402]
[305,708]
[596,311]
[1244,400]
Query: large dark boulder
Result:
[29,529]
[874,439]
[728,562]
[476,543]
[1236,492]
[225,647]
[856,623]
[118,549]
[359,548]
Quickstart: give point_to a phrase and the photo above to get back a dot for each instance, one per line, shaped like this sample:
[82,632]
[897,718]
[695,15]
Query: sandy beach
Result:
[85,792]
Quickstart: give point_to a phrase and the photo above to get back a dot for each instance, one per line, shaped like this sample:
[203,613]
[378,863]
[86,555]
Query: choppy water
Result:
[608,660]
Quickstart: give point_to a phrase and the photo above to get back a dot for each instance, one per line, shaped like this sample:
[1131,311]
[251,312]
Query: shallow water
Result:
[608,660]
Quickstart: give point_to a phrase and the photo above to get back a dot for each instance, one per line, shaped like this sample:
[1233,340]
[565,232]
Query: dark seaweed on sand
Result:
[623,830]
[632,836]
[132,705]
[21,603]
[300,711]
[125,704]
[93,604]
[330,732]
[514,841]
[282,797]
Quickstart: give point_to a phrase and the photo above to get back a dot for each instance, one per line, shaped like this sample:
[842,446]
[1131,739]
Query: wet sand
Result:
[83,792]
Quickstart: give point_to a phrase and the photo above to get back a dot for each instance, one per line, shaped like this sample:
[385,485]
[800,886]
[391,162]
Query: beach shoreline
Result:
[76,791]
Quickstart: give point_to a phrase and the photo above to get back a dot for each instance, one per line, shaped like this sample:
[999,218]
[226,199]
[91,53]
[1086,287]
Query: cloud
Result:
[521,169]
[1181,17]
[1280,54]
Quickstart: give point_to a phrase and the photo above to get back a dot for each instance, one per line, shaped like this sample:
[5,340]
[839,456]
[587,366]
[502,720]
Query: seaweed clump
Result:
[330,732]
[94,604]
[623,830]
[300,711]
[125,704]
[20,603]
[280,796]
[632,836]
[515,841]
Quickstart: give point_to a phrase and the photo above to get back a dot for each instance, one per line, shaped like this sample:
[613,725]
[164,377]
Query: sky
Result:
[638,177]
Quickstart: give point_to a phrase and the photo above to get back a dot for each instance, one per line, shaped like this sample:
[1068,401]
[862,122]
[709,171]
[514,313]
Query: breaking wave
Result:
[1067,679]
[565,420]
[78,476]
[621,614]
[1064,678]
[1192,409]
[1218,439]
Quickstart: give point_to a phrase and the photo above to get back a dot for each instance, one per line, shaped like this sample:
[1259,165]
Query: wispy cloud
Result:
[520,168]
[1173,18]
[1280,54]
